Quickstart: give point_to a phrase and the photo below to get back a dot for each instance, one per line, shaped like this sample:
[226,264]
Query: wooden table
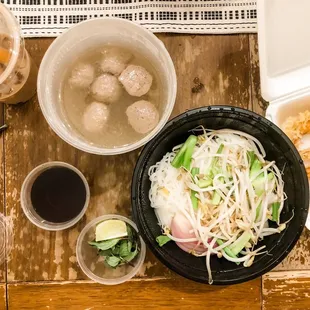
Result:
[42,272]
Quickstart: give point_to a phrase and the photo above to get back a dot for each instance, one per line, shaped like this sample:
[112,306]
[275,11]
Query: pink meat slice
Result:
[180,228]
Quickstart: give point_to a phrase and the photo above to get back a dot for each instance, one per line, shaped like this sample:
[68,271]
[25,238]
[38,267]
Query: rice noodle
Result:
[243,205]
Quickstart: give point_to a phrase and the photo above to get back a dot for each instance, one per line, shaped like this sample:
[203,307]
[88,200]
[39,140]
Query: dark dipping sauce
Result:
[58,194]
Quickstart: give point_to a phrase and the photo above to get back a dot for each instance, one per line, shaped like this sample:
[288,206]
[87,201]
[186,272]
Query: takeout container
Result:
[278,147]
[284,56]
[25,197]
[88,35]
[93,265]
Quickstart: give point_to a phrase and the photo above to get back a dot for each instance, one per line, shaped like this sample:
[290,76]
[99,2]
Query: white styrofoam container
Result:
[284,55]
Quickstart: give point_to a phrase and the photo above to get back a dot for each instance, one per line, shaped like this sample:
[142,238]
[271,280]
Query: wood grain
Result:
[150,294]
[259,105]
[220,63]
[299,258]
[2,180]
[2,297]
[287,290]
[211,70]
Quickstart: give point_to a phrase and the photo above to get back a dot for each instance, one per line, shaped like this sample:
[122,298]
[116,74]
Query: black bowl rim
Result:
[134,187]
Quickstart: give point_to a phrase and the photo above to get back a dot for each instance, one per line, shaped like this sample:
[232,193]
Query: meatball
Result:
[95,117]
[136,80]
[114,60]
[82,75]
[142,116]
[106,88]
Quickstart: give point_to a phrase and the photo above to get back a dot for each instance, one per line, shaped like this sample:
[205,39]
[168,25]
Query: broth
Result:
[58,195]
[117,131]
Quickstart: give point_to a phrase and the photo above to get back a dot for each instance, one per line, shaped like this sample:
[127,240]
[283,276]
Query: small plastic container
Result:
[18,73]
[27,206]
[94,266]
[86,36]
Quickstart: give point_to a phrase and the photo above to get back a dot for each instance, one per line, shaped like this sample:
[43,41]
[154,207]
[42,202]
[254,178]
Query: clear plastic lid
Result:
[6,234]
[284,47]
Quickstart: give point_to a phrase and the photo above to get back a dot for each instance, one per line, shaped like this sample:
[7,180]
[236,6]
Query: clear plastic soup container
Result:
[18,73]
[94,266]
[284,57]
[89,35]
[25,198]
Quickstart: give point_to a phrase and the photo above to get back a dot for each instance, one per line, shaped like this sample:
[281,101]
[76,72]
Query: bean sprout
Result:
[226,196]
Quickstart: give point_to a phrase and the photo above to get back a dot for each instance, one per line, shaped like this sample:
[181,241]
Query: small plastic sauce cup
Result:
[28,208]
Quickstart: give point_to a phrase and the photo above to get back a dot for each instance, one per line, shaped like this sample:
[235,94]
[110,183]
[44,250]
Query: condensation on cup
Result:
[18,73]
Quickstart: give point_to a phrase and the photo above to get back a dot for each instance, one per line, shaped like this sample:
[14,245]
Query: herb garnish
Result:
[118,251]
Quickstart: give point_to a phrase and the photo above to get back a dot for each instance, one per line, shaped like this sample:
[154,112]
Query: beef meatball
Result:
[106,88]
[82,75]
[95,117]
[114,60]
[142,116]
[136,80]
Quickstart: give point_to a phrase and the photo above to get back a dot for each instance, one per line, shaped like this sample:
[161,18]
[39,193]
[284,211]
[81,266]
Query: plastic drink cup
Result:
[18,73]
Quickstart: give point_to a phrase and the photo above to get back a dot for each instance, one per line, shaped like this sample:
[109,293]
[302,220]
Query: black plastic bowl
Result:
[278,147]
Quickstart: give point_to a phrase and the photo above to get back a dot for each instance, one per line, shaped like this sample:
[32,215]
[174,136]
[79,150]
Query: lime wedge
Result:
[110,229]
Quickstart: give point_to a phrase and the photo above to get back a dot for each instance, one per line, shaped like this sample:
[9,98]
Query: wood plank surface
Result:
[145,294]
[299,257]
[210,70]
[259,105]
[2,297]
[286,290]
[2,186]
